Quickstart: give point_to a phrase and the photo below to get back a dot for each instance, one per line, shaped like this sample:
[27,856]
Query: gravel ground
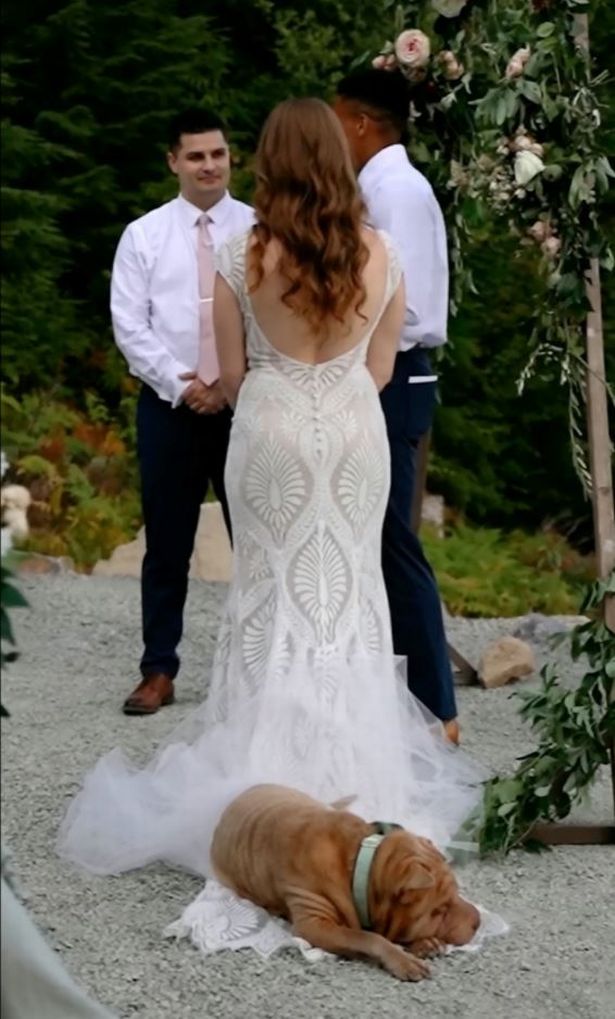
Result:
[79,646]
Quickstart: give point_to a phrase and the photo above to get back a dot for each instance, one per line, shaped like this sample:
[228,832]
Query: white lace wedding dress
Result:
[305,689]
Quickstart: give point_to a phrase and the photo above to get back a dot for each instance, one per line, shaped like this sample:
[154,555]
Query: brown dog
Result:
[295,857]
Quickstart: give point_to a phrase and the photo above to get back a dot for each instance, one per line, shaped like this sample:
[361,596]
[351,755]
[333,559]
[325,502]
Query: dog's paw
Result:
[407,967]
[427,948]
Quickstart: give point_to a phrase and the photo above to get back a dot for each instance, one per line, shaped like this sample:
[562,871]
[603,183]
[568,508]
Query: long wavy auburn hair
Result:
[307,199]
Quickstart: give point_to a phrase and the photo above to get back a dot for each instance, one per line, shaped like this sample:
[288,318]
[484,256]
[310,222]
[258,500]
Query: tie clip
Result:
[205,300]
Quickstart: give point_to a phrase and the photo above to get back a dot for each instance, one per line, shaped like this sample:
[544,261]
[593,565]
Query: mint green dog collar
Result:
[362,869]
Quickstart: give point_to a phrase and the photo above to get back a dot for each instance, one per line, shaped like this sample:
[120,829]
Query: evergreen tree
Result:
[88,90]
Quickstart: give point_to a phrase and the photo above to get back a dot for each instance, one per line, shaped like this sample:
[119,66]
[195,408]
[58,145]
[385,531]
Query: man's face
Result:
[202,164]
[353,126]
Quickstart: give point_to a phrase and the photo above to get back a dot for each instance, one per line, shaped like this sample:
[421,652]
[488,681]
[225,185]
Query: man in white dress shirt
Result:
[373,106]
[161,305]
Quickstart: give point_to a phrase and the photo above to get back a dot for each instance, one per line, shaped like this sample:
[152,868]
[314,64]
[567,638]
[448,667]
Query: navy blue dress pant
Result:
[180,454]
[416,611]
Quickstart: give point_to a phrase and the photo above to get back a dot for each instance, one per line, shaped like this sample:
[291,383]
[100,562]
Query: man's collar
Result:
[383,160]
[217,213]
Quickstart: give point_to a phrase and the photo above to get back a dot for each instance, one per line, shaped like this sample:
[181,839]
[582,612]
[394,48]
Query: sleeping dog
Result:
[299,859]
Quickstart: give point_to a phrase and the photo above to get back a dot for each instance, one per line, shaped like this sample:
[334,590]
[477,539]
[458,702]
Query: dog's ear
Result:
[419,877]
[416,877]
[343,803]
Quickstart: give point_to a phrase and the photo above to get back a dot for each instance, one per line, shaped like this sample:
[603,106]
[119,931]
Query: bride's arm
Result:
[230,339]
[384,343]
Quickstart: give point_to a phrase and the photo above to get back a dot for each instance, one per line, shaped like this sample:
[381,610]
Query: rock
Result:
[537,627]
[504,660]
[432,512]
[211,559]
[33,563]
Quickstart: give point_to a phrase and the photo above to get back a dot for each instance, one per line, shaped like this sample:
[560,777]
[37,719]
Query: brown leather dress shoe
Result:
[452,731]
[153,692]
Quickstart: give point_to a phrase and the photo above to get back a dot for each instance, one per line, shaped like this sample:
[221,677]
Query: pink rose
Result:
[412,49]
[379,62]
[551,246]
[540,230]
[516,64]
[390,62]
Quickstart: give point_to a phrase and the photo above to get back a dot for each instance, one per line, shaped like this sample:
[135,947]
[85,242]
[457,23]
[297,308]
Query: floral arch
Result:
[509,114]
[508,118]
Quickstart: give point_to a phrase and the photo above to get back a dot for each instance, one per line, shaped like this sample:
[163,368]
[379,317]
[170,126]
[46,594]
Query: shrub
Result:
[483,572]
[81,471]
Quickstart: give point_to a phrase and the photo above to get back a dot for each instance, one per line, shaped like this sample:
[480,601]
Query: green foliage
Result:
[482,572]
[81,472]
[576,728]
[501,459]
[10,598]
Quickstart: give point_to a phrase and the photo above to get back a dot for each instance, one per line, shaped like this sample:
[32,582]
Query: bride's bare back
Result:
[291,334]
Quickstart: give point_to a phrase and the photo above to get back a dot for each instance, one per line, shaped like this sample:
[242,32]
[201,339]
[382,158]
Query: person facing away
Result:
[372,106]
[162,312]
[304,692]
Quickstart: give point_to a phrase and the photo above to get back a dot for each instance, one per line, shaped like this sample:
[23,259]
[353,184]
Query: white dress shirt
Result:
[400,200]
[155,289]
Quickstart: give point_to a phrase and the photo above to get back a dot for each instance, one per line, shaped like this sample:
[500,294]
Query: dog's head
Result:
[413,894]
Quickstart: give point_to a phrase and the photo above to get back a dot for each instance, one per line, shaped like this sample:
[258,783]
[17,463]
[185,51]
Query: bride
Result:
[305,692]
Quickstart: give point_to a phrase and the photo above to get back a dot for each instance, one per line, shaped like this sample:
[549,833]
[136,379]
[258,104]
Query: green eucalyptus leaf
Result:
[506,809]
[532,91]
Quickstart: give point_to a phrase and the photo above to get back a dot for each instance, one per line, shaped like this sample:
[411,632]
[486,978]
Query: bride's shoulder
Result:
[238,243]
[377,239]
[382,246]
[230,259]
[381,241]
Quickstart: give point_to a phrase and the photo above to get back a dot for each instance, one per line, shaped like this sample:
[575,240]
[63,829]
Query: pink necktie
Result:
[208,369]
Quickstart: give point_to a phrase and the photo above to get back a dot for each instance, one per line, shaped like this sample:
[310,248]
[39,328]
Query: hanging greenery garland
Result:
[507,127]
[575,729]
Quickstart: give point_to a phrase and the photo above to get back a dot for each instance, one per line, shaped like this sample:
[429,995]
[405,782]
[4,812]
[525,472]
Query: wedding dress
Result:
[305,689]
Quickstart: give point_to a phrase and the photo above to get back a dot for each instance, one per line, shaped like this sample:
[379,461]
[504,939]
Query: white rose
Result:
[458,176]
[412,49]
[527,166]
[379,62]
[516,64]
[390,62]
[514,69]
[537,149]
[448,8]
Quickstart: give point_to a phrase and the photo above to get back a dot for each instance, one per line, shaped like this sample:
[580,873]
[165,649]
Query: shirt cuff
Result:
[171,388]
[177,385]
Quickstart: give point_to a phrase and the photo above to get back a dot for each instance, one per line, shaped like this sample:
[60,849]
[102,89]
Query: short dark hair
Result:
[385,92]
[197,120]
